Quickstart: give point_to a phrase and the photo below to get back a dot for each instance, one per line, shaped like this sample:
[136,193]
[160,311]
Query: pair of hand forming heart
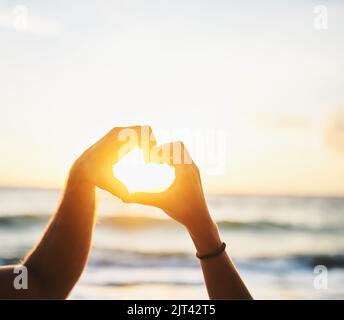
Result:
[54,266]
[184,200]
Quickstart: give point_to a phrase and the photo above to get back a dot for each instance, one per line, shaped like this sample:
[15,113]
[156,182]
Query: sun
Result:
[138,176]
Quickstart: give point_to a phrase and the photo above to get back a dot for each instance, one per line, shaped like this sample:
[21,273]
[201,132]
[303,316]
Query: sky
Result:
[255,89]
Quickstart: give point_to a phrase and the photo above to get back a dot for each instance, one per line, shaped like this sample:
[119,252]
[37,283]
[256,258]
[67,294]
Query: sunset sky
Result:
[257,73]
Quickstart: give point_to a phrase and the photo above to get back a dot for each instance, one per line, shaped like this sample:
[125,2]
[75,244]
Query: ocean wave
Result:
[137,259]
[134,259]
[107,258]
[122,221]
[330,261]
[143,282]
[266,225]
[142,222]
[22,220]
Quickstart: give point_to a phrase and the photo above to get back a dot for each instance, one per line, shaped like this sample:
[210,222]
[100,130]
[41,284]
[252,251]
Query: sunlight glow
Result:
[139,176]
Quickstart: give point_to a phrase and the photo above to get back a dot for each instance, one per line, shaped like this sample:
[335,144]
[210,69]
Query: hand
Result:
[184,200]
[95,165]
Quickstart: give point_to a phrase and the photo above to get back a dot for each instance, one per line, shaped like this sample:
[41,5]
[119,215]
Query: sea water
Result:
[277,243]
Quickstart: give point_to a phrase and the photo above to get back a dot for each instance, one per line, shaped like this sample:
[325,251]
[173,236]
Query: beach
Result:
[139,253]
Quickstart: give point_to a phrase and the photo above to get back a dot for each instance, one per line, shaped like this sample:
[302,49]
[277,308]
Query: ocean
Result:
[277,243]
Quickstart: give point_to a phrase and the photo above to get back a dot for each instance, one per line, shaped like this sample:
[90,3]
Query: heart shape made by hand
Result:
[139,176]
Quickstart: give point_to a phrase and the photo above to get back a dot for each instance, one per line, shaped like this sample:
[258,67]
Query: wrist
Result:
[76,178]
[77,172]
[206,238]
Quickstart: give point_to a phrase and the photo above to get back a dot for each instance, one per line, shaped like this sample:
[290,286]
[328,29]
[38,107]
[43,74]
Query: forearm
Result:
[59,258]
[221,277]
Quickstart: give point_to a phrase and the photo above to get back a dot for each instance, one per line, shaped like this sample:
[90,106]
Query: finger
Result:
[143,135]
[147,137]
[116,187]
[149,199]
[162,154]
[147,142]
[123,140]
[174,154]
[127,138]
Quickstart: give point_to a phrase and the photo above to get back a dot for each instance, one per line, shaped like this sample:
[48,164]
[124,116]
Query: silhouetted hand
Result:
[95,165]
[184,200]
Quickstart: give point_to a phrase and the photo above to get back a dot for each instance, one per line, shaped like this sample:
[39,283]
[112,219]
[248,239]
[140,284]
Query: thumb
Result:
[117,188]
[146,198]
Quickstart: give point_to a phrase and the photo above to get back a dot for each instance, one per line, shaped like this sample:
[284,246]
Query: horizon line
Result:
[224,194]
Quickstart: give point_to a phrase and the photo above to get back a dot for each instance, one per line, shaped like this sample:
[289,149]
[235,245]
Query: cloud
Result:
[20,19]
[334,131]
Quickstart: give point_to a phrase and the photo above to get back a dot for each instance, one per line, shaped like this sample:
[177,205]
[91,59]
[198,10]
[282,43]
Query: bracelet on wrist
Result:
[212,254]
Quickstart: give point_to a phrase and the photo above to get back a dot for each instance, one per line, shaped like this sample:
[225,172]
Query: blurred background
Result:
[254,89]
